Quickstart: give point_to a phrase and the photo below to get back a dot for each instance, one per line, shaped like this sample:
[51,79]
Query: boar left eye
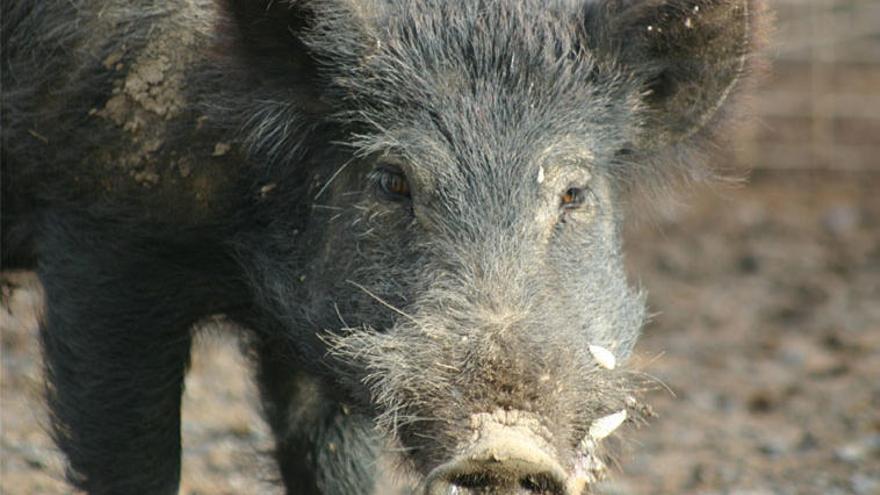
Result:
[392,183]
[572,198]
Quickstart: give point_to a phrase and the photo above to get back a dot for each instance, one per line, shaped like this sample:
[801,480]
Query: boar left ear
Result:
[689,56]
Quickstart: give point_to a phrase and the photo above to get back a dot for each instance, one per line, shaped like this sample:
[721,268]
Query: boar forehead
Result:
[485,84]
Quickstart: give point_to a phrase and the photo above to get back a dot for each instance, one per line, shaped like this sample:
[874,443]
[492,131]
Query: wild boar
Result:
[412,209]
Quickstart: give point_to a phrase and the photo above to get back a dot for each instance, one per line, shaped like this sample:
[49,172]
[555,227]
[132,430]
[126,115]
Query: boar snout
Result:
[507,458]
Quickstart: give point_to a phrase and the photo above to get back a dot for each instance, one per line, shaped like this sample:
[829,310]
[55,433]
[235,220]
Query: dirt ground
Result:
[766,338]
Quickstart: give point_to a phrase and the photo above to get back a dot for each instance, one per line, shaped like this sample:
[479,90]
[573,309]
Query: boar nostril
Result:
[542,484]
[472,480]
[531,484]
[491,482]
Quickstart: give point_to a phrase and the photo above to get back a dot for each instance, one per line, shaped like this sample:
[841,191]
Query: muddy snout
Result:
[502,457]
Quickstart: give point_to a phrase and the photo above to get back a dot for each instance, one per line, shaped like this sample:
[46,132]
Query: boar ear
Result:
[268,37]
[273,70]
[294,43]
[691,57]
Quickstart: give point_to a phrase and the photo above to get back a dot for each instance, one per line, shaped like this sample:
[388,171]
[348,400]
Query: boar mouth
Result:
[507,454]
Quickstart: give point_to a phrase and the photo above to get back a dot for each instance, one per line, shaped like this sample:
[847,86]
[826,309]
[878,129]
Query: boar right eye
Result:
[392,183]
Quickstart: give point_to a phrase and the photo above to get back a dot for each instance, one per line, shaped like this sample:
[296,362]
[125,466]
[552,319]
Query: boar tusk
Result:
[606,425]
[603,356]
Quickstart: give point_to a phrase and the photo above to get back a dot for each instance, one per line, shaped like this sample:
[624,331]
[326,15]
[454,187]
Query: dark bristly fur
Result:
[168,161]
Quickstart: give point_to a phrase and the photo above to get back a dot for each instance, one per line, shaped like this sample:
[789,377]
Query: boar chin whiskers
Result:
[653,379]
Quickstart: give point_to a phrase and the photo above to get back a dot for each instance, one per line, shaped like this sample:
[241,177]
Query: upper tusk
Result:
[603,356]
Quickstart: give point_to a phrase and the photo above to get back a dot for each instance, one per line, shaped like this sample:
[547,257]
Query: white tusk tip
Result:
[606,425]
[603,356]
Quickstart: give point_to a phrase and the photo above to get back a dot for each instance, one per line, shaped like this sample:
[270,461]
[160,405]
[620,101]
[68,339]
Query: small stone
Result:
[859,451]
[774,447]
[540,175]
[807,442]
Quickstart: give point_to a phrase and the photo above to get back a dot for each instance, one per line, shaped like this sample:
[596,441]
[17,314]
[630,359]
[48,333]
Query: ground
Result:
[765,345]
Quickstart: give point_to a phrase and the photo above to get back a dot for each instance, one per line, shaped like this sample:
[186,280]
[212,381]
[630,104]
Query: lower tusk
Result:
[606,425]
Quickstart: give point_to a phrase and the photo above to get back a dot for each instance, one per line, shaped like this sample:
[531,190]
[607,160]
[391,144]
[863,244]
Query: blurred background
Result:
[820,109]
[765,344]
[767,294]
